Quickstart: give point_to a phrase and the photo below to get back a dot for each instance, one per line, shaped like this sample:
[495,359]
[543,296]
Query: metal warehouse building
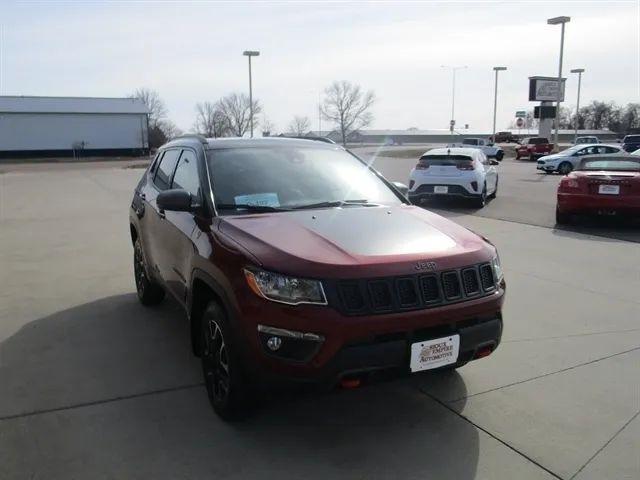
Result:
[65,126]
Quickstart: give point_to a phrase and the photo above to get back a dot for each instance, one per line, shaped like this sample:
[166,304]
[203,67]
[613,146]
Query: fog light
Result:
[274,343]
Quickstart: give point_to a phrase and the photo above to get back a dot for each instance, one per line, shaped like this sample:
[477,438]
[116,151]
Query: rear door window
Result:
[165,169]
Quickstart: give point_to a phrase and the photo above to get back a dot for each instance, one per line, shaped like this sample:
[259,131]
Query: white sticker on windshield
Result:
[258,199]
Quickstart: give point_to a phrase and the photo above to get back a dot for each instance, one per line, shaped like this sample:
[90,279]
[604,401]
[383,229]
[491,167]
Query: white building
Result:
[64,126]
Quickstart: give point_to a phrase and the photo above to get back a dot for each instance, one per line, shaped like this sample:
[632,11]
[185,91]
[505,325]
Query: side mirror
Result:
[495,162]
[401,187]
[175,200]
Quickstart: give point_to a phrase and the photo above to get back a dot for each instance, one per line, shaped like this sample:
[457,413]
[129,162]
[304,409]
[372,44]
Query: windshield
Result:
[615,164]
[538,141]
[275,178]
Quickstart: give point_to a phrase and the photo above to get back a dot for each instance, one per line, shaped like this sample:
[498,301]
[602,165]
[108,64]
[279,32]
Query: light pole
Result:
[495,100]
[559,21]
[250,53]
[579,71]
[453,93]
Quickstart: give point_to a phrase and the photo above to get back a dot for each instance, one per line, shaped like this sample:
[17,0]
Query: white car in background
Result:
[454,172]
[586,140]
[487,147]
[565,161]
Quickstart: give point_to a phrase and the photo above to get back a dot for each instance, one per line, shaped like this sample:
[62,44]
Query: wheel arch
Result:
[204,289]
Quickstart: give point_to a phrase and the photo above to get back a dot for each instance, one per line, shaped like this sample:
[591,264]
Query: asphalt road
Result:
[93,385]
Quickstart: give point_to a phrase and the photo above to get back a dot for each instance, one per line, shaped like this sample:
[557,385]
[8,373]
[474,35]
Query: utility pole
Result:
[251,53]
[579,71]
[495,100]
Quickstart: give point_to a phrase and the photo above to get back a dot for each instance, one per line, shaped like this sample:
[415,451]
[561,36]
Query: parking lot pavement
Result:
[93,385]
[524,195]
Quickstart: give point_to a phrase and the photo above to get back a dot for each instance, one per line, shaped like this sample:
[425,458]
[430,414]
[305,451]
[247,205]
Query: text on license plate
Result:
[434,353]
[440,189]
[609,189]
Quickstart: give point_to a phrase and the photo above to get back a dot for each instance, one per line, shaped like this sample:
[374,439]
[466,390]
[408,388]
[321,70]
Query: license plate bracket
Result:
[430,354]
[440,189]
[609,189]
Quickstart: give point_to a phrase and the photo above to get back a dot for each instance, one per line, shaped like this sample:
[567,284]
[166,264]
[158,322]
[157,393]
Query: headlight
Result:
[497,268]
[284,289]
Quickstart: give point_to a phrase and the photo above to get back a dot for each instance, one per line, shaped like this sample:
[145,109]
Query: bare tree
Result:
[347,105]
[152,100]
[169,129]
[236,109]
[210,120]
[268,127]
[300,125]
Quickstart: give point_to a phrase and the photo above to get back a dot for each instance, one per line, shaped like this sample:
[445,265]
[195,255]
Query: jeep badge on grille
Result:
[429,266]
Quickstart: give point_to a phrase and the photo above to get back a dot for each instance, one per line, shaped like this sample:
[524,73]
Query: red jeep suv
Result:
[295,261]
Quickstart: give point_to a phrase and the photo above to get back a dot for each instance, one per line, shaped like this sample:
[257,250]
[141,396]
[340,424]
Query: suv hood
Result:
[354,241]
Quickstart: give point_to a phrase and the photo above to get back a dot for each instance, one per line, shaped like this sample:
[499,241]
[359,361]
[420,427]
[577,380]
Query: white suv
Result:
[459,172]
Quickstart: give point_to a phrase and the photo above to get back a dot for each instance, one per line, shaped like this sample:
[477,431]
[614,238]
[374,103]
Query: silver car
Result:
[566,160]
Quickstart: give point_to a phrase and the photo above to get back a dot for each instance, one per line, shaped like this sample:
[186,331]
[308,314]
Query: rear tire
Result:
[532,157]
[499,156]
[562,218]
[565,168]
[222,367]
[149,292]
[481,200]
[495,192]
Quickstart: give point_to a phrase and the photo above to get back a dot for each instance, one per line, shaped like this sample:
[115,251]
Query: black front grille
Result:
[430,288]
[407,292]
[384,295]
[470,281]
[352,296]
[381,298]
[451,285]
[486,277]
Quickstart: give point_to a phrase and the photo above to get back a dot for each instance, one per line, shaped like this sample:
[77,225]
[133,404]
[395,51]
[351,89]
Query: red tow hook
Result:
[483,352]
[350,382]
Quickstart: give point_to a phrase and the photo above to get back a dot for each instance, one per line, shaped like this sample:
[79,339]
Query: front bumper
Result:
[347,346]
[547,167]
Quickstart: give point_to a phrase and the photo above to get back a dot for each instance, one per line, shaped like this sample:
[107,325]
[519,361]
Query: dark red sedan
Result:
[603,185]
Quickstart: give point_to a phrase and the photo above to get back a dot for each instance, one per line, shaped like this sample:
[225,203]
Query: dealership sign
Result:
[521,114]
[545,89]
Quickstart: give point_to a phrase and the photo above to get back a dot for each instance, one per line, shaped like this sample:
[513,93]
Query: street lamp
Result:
[453,92]
[559,21]
[495,99]
[250,53]
[579,71]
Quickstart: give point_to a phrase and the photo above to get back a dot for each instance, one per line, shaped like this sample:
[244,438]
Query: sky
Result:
[192,51]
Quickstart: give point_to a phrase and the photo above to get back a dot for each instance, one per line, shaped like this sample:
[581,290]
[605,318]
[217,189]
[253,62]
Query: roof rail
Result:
[195,136]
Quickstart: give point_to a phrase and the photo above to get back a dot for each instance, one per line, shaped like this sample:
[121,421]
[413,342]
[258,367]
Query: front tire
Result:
[562,218]
[221,366]
[499,156]
[149,292]
[565,168]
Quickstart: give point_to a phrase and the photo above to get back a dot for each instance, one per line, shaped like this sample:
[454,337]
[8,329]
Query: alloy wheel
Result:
[216,362]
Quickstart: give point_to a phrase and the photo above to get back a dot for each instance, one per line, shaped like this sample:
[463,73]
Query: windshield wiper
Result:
[249,207]
[336,203]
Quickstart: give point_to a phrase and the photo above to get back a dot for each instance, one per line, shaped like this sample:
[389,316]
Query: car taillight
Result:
[568,184]
[465,166]
[422,166]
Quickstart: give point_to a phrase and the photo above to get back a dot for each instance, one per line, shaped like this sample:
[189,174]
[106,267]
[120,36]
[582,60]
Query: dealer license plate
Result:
[609,189]
[440,189]
[434,353]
